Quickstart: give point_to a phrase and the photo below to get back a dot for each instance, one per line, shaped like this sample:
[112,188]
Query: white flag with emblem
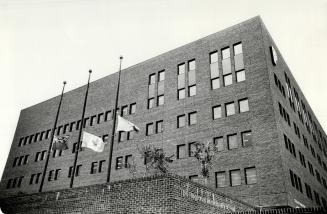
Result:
[92,142]
[125,125]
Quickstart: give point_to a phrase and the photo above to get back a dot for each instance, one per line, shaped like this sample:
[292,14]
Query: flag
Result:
[125,125]
[92,142]
[60,143]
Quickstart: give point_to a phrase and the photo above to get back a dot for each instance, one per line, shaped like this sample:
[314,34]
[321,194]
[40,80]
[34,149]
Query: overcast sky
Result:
[43,42]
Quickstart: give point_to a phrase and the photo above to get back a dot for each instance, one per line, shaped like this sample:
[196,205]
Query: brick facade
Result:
[155,194]
[267,153]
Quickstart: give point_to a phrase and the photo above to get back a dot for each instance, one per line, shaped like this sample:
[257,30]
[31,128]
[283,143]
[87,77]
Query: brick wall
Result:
[155,194]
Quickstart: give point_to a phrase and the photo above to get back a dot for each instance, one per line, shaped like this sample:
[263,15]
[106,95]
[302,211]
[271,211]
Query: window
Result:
[220,179]
[228,79]
[78,169]
[43,154]
[230,109]
[191,149]
[181,121]
[216,110]
[243,105]
[57,174]
[128,161]
[246,138]
[192,118]
[194,178]
[50,177]
[311,169]
[37,156]
[94,167]
[238,57]
[119,162]
[219,144]
[240,76]
[308,191]
[32,179]
[181,81]
[150,103]
[132,108]
[159,126]
[71,128]
[215,83]
[122,136]
[124,110]
[9,183]
[250,175]
[108,114]
[235,177]
[161,76]
[181,69]
[20,179]
[296,181]
[181,151]
[181,94]
[161,100]
[100,116]
[149,129]
[232,141]
[152,79]
[214,70]
[225,53]
[130,135]
[317,198]
[192,90]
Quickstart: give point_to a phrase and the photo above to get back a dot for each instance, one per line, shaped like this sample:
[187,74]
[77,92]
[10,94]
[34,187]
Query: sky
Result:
[44,42]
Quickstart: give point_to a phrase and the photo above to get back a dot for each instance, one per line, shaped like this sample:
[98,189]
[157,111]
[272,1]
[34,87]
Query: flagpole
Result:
[80,132]
[51,138]
[114,123]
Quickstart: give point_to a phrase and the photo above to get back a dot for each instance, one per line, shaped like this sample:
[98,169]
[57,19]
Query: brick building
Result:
[231,88]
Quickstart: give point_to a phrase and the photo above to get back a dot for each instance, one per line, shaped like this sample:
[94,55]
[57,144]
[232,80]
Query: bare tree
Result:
[204,154]
[155,158]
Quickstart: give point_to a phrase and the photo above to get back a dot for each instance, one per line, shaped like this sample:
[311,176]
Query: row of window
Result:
[22,160]
[69,127]
[286,117]
[284,114]
[235,179]
[297,184]
[220,144]
[291,148]
[304,116]
[243,106]
[15,182]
